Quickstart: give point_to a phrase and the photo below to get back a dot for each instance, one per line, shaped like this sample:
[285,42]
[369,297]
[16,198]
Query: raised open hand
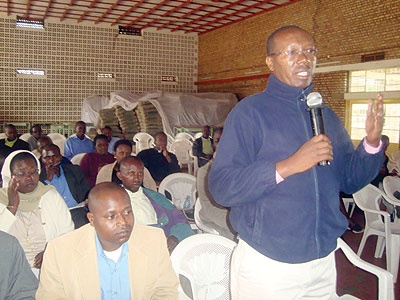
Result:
[374,121]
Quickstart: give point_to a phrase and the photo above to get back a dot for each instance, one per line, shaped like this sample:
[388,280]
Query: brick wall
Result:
[344,30]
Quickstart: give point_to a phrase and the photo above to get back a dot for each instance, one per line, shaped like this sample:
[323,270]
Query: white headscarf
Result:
[6,172]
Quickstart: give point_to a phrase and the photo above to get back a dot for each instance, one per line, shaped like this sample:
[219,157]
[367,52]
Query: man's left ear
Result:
[119,175]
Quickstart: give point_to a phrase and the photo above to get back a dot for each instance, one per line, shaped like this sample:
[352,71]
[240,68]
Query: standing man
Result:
[78,143]
[107,131]
[110,258]
[283,204]
[36,133]
[158,160]
[203,147]
[11,142]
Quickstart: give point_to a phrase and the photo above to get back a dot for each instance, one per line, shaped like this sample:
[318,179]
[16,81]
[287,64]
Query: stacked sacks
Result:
[128,121]
[108,118]
[149,119]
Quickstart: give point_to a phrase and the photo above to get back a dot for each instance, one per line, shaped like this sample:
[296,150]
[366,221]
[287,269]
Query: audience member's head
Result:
[36,131]
[107,131]
[206,131]
[110,214]
[101,144]
[216,137]
[385,142]
[25,170]
[122,149]
[11,132]
[160,140]
[51,156]
[43,142]
[80,129]
[131,173]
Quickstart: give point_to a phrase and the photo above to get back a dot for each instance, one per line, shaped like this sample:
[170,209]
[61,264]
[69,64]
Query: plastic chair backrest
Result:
[182,149]
[25,136]
[204,259]
[182,188]
[60,143]
[198,135]
[143,141]
[56,136]
[2,135]
[368,198]
[77,158]
[391,184]
[197,220]
[184,136]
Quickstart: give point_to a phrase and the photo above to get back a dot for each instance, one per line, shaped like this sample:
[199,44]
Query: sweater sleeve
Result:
[237,175]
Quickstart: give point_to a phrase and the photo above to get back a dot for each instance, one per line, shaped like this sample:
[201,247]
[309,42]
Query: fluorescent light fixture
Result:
[31,72]
[29,23]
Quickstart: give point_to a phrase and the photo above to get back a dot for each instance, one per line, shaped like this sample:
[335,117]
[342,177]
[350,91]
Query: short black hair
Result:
[122,142]
[107,127]
[53,146]
[80,123]
[35,126]
[270,39]
[11,126]
[22,156]
[160,133]
[99,137]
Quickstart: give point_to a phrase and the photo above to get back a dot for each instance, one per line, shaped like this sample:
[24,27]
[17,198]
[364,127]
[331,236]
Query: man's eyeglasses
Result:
[295,52]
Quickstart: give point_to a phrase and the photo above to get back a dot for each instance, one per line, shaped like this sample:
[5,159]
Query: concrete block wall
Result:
[343,30]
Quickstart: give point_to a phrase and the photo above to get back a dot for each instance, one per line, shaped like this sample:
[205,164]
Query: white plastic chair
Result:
[184,136]
[181,187]
[368,199]
[198,135]
[56,136]
[394,160]
[204,259]
[203,227]
[76,160]
[25,136]
[2,135]
[143,141]
[60,144]
[346,203]
[385,279]
[183,151]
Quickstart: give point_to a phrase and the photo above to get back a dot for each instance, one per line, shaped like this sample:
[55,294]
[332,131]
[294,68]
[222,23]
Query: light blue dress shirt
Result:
[75,145]
[113,277]
[112,143]
[61,185]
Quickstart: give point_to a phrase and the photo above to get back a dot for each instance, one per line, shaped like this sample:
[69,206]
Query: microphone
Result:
[315,105]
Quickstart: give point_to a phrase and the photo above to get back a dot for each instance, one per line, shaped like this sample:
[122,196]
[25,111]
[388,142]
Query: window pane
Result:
[393,79]
[378,80]
[357,81]
[392,121]
[375,80]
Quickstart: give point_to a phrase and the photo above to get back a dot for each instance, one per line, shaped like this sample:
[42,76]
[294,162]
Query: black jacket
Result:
[18,145]
[197,150]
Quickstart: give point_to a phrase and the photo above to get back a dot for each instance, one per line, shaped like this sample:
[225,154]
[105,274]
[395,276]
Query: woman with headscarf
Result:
[29,210]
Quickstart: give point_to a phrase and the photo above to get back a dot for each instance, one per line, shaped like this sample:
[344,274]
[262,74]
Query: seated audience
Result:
[107,131]
[211,213]
[158,160]
[110,258]
[93,161]
[78,143]
[152,208]
[69,181]
[203,147]
[42,143]
[29,210]
[122,149]
[36,133]
[11,142]
[16,278]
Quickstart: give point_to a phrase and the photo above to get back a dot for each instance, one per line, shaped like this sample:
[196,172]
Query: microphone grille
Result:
[314,99]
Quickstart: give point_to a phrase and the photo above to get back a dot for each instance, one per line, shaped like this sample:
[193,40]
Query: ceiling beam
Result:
[147,12]
[86,11]
[66,10]
[127,12]
[107,11]
[47,9]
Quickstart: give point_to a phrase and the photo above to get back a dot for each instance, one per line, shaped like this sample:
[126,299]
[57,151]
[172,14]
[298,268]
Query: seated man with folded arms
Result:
[36,133]
[211,213]
[29,210]
[152,208]
[203,147]
[159,161]
[69,181]
[122,149]
[16,278]
[78,143]
[11,142]
[92,162]
[110,258]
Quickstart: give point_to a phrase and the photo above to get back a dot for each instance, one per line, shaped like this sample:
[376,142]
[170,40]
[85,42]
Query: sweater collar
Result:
[277,88]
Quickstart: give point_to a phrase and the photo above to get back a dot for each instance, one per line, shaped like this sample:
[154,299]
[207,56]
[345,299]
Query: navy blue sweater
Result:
[297,220]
